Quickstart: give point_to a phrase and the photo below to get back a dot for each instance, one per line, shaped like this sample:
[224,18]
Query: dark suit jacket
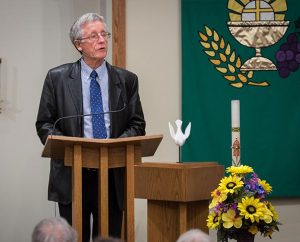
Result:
[62,96]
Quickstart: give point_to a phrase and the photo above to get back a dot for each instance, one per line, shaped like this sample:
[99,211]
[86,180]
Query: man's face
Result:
[94,42]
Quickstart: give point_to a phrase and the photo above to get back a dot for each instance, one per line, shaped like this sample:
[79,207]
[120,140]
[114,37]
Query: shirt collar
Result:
[88,70]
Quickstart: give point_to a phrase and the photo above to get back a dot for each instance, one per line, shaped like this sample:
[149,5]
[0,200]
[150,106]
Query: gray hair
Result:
[194,235]
[53,230]
[75,31]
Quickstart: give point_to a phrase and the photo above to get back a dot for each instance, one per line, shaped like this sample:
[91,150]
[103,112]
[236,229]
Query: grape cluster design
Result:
[288,55]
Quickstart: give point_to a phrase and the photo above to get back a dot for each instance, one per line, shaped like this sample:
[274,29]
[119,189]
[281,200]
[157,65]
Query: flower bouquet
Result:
[239,205]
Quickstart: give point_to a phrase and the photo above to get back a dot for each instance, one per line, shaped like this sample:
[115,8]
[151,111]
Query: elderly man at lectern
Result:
[110,94]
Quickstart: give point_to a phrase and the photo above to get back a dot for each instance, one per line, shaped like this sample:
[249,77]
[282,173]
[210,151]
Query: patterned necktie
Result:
[98,123]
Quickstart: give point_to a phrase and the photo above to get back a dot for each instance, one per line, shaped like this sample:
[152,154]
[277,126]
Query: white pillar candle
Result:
[235,131]
[235,113]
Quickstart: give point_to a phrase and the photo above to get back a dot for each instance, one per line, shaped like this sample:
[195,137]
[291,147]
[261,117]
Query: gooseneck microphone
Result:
[79,116]
[84,115]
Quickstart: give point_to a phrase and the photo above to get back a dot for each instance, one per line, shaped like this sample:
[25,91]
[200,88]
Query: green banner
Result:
[249,51]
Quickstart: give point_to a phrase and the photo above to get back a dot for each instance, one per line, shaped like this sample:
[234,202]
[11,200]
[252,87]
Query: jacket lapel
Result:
[75,86]
[114,88]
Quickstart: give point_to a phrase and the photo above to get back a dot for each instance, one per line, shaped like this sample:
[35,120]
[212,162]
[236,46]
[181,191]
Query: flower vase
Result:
[244,236]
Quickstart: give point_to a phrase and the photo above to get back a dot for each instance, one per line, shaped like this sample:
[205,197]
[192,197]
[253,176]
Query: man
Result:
[194,235]
[53,230]
[90,85]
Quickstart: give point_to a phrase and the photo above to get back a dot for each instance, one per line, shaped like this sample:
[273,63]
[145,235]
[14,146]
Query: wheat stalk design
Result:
[225,59]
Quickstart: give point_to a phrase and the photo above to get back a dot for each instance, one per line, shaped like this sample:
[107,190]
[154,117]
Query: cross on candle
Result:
[235,133]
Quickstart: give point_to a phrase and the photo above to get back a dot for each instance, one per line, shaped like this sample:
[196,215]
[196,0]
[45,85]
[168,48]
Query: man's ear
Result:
[77,45]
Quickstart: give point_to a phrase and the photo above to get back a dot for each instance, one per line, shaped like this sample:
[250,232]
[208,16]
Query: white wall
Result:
[33,39]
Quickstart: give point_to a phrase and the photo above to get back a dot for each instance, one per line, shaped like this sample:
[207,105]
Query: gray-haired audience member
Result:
[53,230]
[194,235]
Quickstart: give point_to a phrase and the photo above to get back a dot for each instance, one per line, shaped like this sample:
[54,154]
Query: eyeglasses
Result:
[96,36]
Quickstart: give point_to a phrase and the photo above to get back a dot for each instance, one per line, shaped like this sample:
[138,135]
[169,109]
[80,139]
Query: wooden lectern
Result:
[102,154]
[177,196]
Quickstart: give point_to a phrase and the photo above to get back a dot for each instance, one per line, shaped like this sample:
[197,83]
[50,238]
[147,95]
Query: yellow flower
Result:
[266,186]
[251,208]
[218,196]
[230,219]
[268,215]
[253,229]
[213,220]
[239,170]
[230,184]
[273,211]
[214,193]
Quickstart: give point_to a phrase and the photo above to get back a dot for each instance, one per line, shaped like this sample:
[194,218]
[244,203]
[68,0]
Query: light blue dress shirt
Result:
[102,79]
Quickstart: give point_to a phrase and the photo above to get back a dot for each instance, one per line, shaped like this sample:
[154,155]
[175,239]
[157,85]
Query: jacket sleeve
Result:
[47,112]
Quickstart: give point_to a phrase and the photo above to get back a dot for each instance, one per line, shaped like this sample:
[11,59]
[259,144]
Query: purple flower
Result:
[251,184]
[233,206]
[219,208]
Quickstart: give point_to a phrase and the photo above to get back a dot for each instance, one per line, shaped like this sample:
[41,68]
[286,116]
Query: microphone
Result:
[84,115]
[92,55]
[79,116]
